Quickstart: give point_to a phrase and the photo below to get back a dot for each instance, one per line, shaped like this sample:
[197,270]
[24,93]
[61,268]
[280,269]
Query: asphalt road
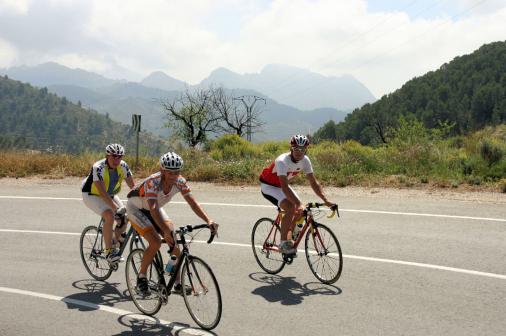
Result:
[418,265]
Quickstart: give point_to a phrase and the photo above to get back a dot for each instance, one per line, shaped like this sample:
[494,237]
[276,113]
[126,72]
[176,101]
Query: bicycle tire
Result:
[266,234]
[91,246]
[204,300]
[148,304]
[323,254]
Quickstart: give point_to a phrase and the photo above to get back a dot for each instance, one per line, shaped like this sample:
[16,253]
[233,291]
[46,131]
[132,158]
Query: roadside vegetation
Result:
[415,157]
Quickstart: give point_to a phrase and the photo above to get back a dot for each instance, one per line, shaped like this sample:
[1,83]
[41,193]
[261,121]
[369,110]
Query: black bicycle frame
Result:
[130,232]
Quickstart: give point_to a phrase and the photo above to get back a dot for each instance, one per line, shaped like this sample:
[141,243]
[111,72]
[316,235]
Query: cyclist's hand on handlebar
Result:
[330,204]
[213,227]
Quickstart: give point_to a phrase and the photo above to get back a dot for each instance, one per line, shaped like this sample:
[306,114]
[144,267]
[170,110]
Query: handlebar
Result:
[334,208]
[190,228]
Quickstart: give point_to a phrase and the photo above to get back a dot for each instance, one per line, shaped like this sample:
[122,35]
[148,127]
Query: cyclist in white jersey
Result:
[145,212]
[99,191]
[275,188]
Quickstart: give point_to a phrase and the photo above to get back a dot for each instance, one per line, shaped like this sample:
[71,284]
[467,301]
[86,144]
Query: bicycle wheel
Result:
[92,253]
[148,304]
[204,299]
[323,254]
[265,239]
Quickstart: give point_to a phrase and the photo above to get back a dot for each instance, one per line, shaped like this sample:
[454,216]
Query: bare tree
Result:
[192,115]
[233,118]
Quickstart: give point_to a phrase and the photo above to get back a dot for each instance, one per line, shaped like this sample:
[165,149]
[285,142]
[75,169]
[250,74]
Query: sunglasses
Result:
[117,156]
[299,149]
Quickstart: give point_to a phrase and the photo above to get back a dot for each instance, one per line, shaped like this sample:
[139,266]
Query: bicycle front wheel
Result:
[91,246]
[265,239]
[151,302]
[323,254]
[201,293]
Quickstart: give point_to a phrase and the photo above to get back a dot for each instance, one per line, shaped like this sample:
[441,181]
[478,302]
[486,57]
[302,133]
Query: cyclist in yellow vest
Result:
[100,189]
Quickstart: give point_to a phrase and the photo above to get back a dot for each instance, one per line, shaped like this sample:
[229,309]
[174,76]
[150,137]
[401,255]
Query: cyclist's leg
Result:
[145,227]
[276,194]
[121,226]
[155,242]
[170,239]
[98,206]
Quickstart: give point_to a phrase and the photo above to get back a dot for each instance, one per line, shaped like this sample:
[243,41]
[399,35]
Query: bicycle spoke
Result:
[265,239]
[203,297]
[323,254]
[92,253]
[147,303]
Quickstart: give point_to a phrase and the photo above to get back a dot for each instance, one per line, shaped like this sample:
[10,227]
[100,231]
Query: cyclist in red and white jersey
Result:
[275,186]
[146,213]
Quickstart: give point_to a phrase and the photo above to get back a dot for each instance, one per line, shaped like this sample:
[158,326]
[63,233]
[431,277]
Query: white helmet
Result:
[299,140]
[171,161]
[115,149]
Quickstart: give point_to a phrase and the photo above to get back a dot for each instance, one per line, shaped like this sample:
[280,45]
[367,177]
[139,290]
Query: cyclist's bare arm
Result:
[199,211]
[130,182]
[317,188]
[283,181]
[104,195]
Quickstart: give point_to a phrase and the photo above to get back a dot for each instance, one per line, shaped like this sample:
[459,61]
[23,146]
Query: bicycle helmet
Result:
[115,149]
[171,161]
[299,140]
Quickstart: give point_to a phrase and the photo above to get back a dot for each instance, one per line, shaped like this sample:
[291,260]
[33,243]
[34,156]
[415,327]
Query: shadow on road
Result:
[100,293]
[95,292]
[152,326]
[287,291]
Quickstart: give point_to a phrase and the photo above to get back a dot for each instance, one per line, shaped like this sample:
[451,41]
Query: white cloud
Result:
[188,39]
[14,6]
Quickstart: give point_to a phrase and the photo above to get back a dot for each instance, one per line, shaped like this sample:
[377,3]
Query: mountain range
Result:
[304,98]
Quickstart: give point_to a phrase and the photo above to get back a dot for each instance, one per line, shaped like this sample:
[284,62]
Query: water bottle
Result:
[297,228]
[169,268]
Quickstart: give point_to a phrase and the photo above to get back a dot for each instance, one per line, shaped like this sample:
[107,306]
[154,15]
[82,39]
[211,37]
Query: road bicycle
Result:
[92,248]
[201,292]
[323,252]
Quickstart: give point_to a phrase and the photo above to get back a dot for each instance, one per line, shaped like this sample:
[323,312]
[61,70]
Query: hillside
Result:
[469,93]
[33,118]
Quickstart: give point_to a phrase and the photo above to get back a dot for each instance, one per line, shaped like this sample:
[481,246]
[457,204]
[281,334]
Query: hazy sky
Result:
[382,43]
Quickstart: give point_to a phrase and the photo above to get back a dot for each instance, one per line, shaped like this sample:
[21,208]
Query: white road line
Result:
[134,316]
[388,261]
[270,206]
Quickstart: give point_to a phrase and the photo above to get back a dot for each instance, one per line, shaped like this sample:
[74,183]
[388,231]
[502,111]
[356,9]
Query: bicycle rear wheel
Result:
[91,246]
[265,239]
[204,300]
[323,254]
[150,303]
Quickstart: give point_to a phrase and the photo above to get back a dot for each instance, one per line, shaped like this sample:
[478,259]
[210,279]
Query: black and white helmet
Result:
[171,161]
[299,140]
[115,149]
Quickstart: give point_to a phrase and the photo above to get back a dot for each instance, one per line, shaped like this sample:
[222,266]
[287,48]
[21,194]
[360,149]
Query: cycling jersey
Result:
[112,180]
[284,166]
[151,188]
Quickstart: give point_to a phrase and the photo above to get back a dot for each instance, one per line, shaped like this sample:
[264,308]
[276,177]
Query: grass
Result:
[477,161]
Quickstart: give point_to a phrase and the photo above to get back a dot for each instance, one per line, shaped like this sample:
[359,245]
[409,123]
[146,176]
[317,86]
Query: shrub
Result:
[490,152]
